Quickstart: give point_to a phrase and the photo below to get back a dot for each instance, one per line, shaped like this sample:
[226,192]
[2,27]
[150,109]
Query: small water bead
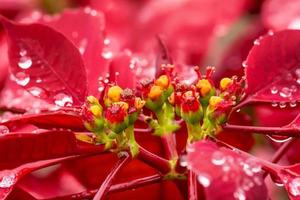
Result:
[274,104]
[218,158]
[37,92]
[279,139]
[183,161]
[106,54]
[297,72]
[244,63]
[239,194]
[203,179]
[293,104]
[22,78]
[23,52]
[298,81]
[190,149]
[285,92]
[82,46]
[7,181]
[63,99]
[106,41]
[274,90]
[294,187]
[293,88]
[282,105]
[270,32]
[3,129]
[38,80]
[256,42]
[25,62]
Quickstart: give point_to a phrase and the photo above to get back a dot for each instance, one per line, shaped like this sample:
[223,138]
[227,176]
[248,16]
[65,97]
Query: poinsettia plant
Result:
[89,113]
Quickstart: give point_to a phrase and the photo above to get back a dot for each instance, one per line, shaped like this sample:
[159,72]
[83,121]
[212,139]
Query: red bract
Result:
[88,136]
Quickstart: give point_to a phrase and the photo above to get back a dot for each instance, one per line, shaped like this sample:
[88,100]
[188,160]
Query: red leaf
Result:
[19,148]
[225,171]
[281,14]
[272,71]
[51,120]
[88,36]
[46,63]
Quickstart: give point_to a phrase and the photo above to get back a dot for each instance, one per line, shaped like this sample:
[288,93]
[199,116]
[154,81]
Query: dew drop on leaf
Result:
[256,42]
[203,179]
[22,78]
[274,90]
[239,194]
[62,99]
[279,139]
[25,62]
[106,54]
[274,104]
[282,105]
[7,181]
[285,92]
[218,158]
[3,129]
[293,104]
[37,92]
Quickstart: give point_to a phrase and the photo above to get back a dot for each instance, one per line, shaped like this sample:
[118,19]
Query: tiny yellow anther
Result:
[123,104]
[214,100]
[139,103]
[155,92]
[204,86]
[96,110]
[162,81]
[92,100]
[114,93]
[225,82]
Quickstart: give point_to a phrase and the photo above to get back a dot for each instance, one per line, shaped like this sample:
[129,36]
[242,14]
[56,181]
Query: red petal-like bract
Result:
[88,36]
[227,172]
[290,178]
[47,64]
[272,71]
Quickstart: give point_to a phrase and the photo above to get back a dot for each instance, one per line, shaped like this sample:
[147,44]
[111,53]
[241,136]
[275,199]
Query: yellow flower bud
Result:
[123,104]
[204,86]
[214,100]
[92,100]
[114,93]
[155,92]
[171,98]
[162,81]
[96,110]
[225,82]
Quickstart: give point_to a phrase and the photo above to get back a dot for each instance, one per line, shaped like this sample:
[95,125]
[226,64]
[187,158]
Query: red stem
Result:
[280,131]
[153,160]
[192,186]
[133,184]
[104,188]
[169,144]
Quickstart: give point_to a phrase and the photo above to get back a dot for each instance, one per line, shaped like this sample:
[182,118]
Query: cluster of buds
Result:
[114,119]
[202,105]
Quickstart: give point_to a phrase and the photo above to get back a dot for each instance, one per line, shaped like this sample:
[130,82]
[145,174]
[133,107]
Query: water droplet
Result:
[238,110]
[271,32]
[282,105]
[218,158]
[82,45]
[62,99]
[190,148]
[274,104]
[285,92]
[7,181]
[279,139]
[94,13]
[22,79]
[106,41]
[25,62]
[244,63]
[101,88]
[298,80]
[294,88]
[204,180]
[239,194]
[293,104]
[107,54]
[183,161]
[117,73]
[23,52]
[256,42]
[37,92]
[38,80]
[3,129]
[274,90]
[294,187]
